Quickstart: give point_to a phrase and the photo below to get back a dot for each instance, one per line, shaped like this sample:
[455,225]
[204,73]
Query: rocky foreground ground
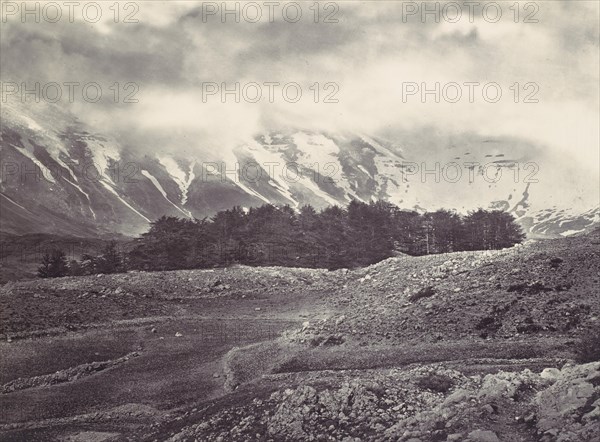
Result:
[432,402]
[471,346]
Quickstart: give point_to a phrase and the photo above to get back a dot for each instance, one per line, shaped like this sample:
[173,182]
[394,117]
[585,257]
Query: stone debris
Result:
[388,406]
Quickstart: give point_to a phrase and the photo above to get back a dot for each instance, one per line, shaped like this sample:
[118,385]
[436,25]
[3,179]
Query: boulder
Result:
[550,374]
[483,436]
[564,404]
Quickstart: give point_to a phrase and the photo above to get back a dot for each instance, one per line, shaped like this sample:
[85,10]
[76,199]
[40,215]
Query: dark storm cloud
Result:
[71,51]
[369,52]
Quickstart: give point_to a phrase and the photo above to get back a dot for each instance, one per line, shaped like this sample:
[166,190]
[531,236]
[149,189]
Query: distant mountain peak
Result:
[89,182]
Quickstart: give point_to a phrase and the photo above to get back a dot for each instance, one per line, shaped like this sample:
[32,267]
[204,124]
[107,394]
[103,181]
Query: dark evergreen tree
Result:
[505,232]
[477,231]
[307,238]
[110,261]
[75,268]
[88,264]
[445,231]
[488,230]
[333,240]
[54,264]
[229,233]
[407,231]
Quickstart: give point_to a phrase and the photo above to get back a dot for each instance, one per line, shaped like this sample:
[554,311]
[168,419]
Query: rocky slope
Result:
[503,323]
[475,346]
[419,403]
[538,288]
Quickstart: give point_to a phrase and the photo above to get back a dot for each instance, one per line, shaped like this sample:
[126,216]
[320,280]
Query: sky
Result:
[370,55]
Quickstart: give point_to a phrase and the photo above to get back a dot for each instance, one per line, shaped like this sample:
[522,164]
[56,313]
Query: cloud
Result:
[369,53]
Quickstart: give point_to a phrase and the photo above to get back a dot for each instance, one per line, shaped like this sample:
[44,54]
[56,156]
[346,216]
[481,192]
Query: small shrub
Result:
[439,383]
[587,348]
[529,326]
[563,287]
[529,289]
[334,340]
[375,388]
[485,323]
[425,292]
[555,262]
[291,365]
[329,340]
[316,341]
[488,326]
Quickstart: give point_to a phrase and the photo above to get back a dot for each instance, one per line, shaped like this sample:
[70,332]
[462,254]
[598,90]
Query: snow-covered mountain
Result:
[59,176]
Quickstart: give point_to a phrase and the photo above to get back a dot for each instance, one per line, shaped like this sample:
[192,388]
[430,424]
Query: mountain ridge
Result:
[60,176]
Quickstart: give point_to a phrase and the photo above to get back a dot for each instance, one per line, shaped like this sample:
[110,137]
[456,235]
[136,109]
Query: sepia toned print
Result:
[300,221]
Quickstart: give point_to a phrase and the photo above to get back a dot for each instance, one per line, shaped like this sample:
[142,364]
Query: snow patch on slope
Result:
[103,154]
[181,178]
[316,149]
[572,232]
[274,164]
[46,174]
[114,192]
[389,174]
[84,194]
[14,202]
[321,155]
[162,191]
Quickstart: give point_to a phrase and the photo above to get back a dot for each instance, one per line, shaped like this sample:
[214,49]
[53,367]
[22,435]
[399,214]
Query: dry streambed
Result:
[163,366]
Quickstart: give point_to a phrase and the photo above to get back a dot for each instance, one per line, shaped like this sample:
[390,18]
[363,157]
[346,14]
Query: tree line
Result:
[357,235]
[56,264]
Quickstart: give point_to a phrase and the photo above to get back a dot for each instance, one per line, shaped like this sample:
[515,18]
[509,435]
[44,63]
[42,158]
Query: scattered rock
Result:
[550,373]
[487,408]
[483,436]
[333,340]
[529,418]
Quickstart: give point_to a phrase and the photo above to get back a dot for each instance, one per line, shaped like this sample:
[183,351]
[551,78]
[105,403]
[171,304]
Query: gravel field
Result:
[470,346]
